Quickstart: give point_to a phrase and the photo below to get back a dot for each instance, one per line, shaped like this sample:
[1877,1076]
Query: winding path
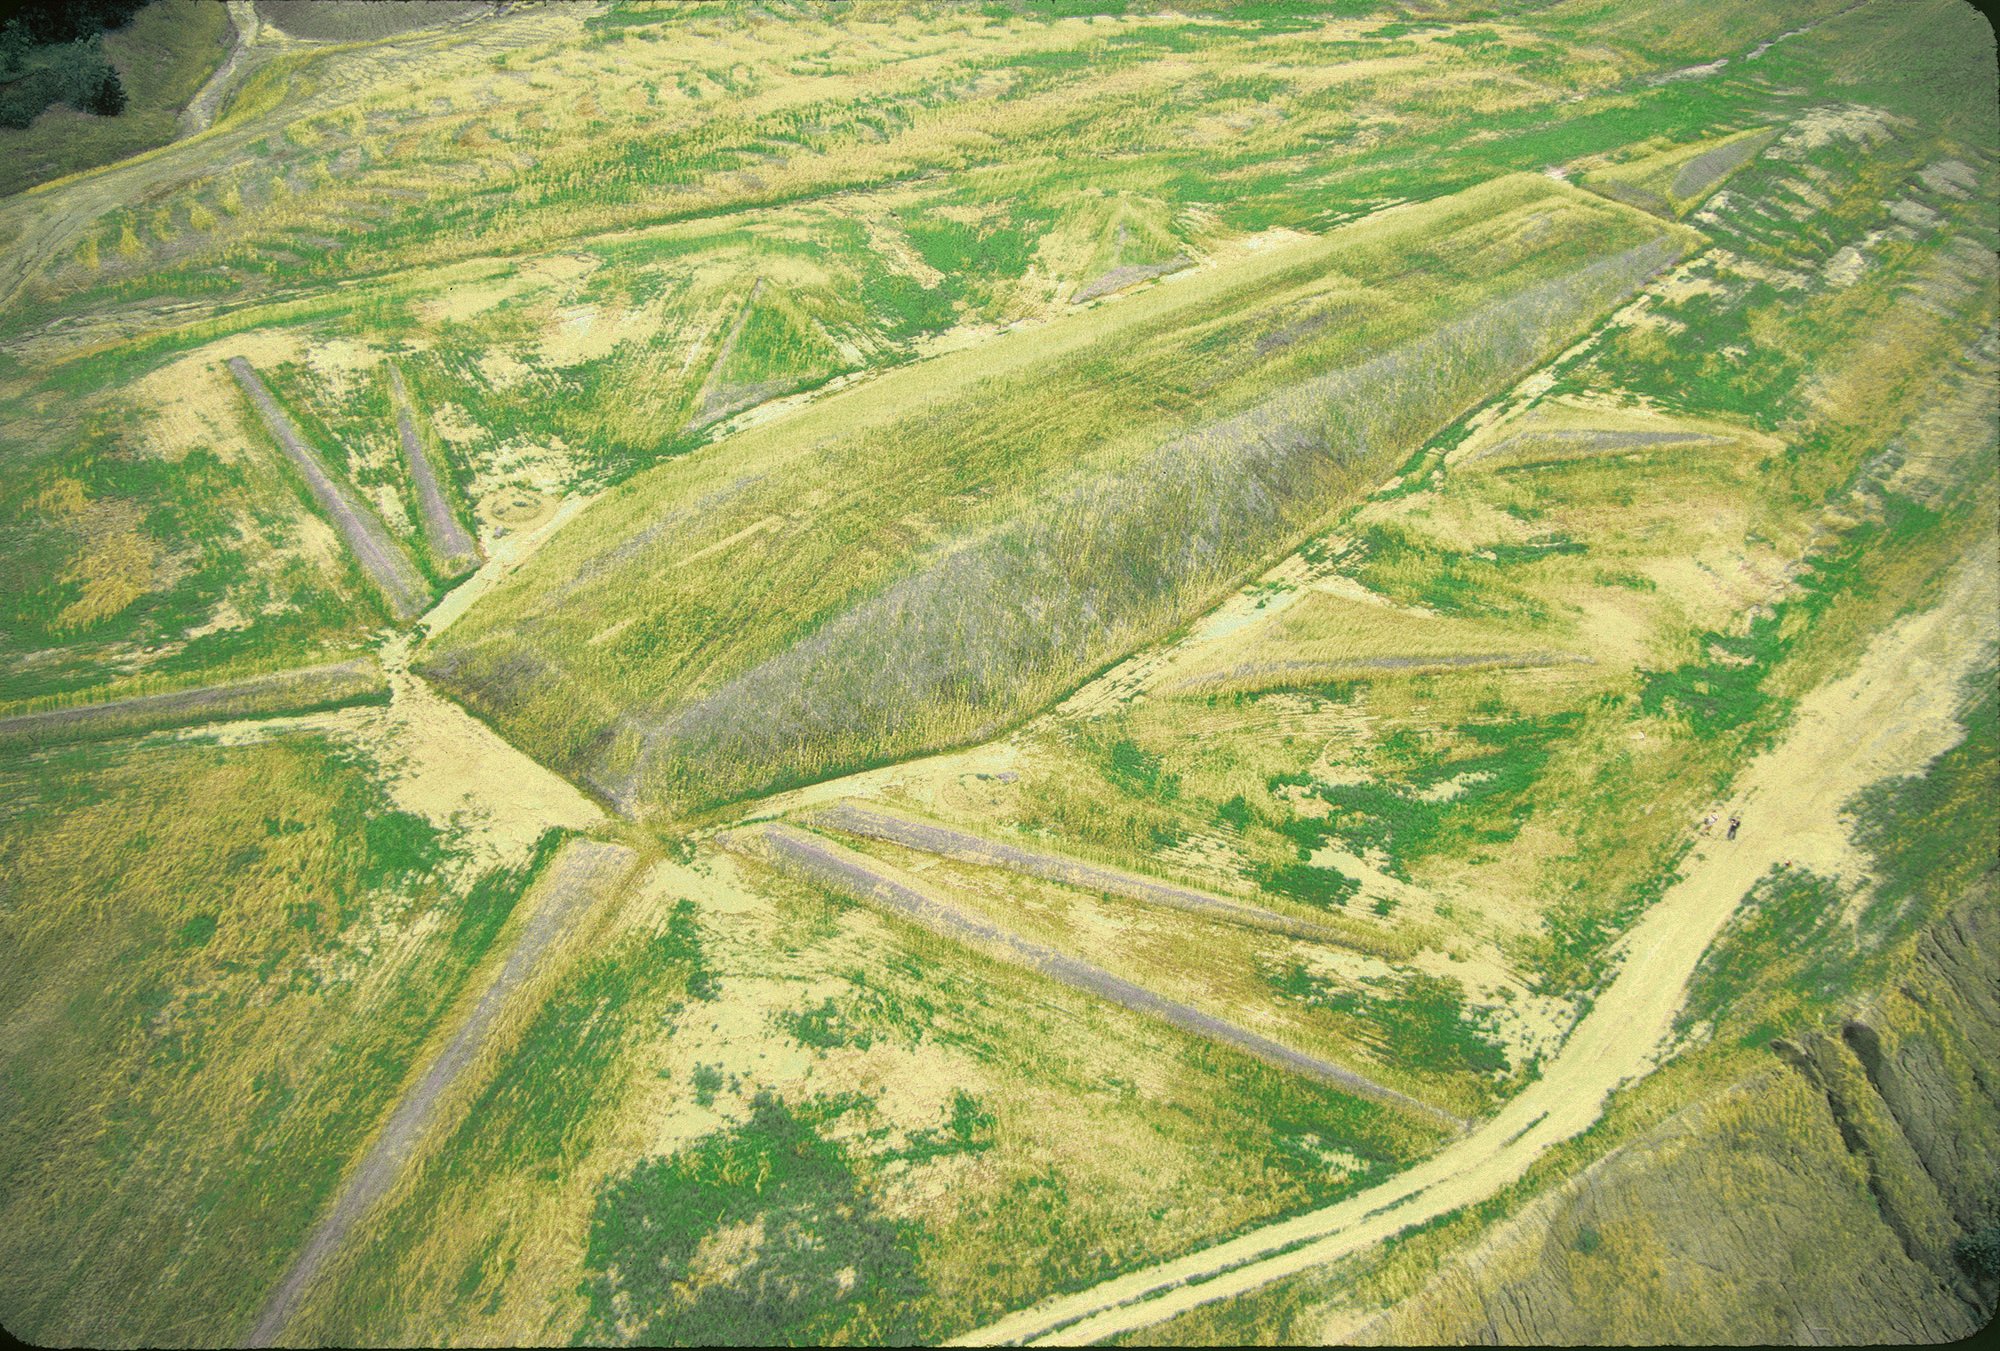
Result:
[1891,716]
[199,115]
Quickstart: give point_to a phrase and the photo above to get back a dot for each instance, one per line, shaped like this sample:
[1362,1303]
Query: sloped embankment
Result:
[1840,1195]
[955,545]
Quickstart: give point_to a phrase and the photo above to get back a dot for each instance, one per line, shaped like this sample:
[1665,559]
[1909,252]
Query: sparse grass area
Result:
[945,1132]
[1102,307]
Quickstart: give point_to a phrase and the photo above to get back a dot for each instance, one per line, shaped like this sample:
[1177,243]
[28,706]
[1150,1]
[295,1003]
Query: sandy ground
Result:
[1891,716]
[584,871]
[439,761]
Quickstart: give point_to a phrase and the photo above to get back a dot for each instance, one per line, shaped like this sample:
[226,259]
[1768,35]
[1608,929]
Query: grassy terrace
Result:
[921,559]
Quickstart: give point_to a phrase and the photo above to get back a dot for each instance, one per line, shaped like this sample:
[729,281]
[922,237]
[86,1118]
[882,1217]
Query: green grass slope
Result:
[204,1015]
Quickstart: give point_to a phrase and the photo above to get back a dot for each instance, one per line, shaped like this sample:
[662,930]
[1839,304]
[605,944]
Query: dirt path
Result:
[454,547]
[201,109]
[303,691]
[582,872]
[823,861]
[931,839]
[374,550]
[1896,712]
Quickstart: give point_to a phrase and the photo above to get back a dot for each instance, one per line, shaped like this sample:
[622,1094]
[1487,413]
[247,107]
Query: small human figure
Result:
[1708,823]
[1734,822]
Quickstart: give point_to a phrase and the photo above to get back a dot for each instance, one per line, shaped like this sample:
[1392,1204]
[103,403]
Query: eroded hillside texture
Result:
[1056,670]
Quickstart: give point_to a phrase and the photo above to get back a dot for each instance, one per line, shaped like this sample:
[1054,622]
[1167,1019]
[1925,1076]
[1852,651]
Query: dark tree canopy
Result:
[52,53]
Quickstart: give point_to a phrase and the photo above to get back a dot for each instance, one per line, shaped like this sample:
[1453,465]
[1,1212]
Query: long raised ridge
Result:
[580,873]
[821,860]
[454,547]
[378,555]
[942,840]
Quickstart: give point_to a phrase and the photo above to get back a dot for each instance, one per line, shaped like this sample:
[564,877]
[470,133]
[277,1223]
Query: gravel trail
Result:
[930,839]
[1896,712]
[303,691]
[374,550]
[581,872]
[454,547]
[821,860]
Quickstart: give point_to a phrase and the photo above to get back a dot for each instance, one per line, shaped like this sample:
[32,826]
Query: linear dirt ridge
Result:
[306,690]
[1511,661]
[934,839]
[581,872]
[821,860]
[364,532]
[454,546]
[1891,716]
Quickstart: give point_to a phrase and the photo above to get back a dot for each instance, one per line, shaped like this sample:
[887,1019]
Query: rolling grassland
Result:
[1069,670]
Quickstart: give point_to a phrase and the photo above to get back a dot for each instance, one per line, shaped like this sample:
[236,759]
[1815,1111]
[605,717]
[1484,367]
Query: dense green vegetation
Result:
[797,1249]
[124,88]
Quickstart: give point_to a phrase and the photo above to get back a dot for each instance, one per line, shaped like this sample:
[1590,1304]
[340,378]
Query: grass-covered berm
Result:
[920,561]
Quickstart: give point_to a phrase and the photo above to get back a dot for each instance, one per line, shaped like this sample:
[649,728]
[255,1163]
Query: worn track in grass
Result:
[307,690]
[366,536]
[932,839]
[581,872]
[820,860]
[453,546]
